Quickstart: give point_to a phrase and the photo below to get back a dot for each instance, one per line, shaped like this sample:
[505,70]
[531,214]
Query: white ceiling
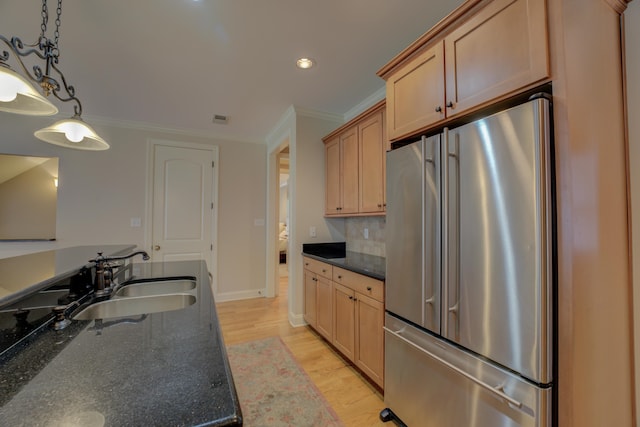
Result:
[175,63]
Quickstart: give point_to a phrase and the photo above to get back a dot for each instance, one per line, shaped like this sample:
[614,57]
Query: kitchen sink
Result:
[156,287]
[135,305]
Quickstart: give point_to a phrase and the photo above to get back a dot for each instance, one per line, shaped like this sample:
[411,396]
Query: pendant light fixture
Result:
[18,94]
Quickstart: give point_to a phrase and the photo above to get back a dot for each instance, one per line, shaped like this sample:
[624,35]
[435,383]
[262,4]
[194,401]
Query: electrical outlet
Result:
[136,222]
[366,233]
[312,231]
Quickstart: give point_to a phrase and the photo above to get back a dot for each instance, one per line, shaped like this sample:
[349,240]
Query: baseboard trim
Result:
[234,296]
[296,320]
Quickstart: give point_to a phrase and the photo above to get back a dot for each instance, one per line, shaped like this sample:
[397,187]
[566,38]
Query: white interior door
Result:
[183,207]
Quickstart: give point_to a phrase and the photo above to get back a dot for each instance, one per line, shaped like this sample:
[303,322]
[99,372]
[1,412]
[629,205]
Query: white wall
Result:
[308,199]
[99,193]
[303,132]
[632,40]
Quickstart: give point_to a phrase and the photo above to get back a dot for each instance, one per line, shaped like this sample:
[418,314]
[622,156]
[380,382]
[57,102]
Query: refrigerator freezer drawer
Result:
[431,383]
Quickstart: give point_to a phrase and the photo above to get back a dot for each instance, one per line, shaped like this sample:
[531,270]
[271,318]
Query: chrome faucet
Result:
[102,283]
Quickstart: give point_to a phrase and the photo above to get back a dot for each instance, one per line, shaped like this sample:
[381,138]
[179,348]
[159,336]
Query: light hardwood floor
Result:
[356,402]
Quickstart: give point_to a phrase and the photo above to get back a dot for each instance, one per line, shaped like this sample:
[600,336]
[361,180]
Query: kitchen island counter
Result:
[167,368]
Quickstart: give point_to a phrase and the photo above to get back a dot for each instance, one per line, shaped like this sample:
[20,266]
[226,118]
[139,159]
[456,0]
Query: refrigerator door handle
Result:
[444,230]
[454,310]
[497,390]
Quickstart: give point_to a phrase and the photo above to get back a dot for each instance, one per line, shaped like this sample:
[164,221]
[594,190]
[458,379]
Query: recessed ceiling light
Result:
[305,63]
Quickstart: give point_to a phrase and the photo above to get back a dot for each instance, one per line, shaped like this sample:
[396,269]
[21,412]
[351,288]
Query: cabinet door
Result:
[369,351]
[332,177]
[501,49]
[310,286]
[349,171]
[344,320]
[324,304]
[371,159]
[415,93]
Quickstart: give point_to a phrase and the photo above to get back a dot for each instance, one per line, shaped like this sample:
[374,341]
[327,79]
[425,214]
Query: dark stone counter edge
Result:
[346,267]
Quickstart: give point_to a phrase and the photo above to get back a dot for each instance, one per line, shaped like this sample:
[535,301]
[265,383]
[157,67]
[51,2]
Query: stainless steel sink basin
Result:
[156,287]
[135,305]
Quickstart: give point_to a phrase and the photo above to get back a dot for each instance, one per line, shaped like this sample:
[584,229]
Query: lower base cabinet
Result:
[310,286]
[324,308]
[344,329]
[348,311]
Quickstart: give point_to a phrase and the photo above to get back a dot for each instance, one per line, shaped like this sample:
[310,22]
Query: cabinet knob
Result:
[324,271]
[350,297]
[379,205]
[438,109]
[369,288]
[450,105]
[339,276]
[156,248]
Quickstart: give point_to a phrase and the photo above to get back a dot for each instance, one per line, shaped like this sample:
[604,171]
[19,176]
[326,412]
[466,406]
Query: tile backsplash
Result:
[355,235]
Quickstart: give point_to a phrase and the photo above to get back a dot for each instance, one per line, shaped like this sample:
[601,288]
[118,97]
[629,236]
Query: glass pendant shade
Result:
[72,133]
[18,96]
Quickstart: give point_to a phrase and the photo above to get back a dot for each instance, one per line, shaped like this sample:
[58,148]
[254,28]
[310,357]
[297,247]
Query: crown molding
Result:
[156,128]
[314,114]
[618,5]
[367,103]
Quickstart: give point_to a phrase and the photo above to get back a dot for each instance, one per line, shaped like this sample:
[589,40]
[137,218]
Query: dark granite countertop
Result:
[167,368]
[336,254]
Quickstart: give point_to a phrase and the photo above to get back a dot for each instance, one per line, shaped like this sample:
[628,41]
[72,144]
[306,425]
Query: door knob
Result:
[156,248]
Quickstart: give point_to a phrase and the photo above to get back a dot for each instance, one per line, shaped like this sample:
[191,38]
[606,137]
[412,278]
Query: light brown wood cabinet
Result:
[344,333]
[371,162]
[348,312]
[489,54]
[341,165]
[324,307]
[318,298]
[369,350]
[355,166]
[415,93]
[310,292]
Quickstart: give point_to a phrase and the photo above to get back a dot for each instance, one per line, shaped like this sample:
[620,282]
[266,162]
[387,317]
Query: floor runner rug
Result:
[274,390]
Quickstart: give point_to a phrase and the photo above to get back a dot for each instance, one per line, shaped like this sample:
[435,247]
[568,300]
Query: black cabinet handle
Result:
[438,109]
[450,104]
[369,288]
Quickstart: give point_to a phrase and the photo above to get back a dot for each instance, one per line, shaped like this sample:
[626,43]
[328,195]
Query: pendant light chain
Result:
[45,20]
[55,52]
[57,32]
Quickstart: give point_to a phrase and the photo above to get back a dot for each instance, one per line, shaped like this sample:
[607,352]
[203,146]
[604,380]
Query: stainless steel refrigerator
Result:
[469,277]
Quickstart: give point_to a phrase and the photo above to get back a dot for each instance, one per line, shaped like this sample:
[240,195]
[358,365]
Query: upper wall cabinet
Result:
[489,52]
[415,93]
[354,165]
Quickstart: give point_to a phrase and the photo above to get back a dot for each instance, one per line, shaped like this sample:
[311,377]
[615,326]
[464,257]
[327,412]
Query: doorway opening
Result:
[182,203]
[283,207]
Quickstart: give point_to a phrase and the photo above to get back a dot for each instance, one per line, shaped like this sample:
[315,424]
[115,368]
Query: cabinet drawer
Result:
[363,284]
[318,267]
